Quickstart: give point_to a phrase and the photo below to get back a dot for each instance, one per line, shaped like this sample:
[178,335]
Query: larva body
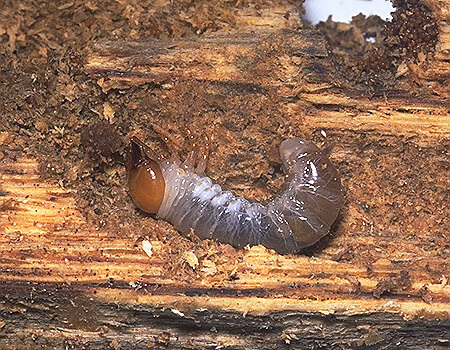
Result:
[303,213]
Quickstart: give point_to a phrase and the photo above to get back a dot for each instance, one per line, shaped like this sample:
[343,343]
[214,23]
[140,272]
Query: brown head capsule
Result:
[145,178]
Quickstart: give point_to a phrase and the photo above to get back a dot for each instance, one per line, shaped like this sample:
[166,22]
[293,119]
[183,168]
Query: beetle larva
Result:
[300,215]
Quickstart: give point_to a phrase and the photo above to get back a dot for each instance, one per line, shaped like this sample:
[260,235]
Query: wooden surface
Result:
[63,278]
[380,280]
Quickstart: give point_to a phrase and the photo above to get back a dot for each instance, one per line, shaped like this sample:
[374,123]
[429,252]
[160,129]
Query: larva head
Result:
[145,178]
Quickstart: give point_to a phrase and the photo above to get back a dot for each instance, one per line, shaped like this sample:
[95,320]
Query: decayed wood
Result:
[65,281]
[53,261]
[239,58]
[437,73]
[297,65]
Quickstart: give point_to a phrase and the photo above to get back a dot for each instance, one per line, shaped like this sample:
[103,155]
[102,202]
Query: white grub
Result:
[292,220]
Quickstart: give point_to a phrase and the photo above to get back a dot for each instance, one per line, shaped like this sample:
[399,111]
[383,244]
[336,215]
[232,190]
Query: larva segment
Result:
[296,218]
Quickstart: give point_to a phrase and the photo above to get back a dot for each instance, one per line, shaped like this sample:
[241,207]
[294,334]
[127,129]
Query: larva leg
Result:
[189,162]
[204,152]
[198,155]
[171,143]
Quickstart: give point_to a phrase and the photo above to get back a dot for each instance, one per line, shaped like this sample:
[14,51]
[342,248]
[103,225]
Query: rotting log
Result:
[66,282]
[296,66]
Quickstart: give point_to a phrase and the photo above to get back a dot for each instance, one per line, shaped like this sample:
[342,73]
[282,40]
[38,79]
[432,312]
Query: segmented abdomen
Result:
[298,217]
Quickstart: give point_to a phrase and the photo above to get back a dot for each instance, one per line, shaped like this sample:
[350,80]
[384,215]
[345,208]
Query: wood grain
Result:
[50,254]
[379,280]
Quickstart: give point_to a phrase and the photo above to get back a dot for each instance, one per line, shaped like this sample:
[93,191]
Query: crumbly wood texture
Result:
[80,267]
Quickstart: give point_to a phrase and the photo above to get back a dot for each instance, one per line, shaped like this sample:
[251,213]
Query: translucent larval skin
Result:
[299,216]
